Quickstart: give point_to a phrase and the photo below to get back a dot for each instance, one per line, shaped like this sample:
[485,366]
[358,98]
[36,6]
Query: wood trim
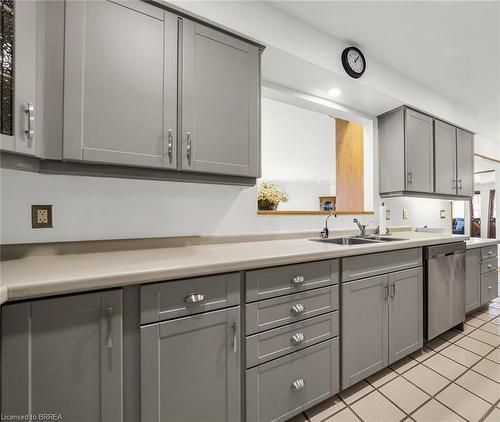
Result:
[484,171]
[277,212]
[486,157]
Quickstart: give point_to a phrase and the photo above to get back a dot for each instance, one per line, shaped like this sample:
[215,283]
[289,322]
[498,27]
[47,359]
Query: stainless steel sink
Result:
[385,238]
[347,241]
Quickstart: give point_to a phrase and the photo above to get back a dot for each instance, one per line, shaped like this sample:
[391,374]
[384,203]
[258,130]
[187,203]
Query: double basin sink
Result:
[350,240]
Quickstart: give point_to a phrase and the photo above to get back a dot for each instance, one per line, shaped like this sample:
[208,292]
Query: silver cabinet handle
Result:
[298,384]
[170,139]
[490,252]
[410,177]
[297,339]
[29,110]
[298,280]
[453,183]
[386,292]
[490,287]
[490,266]
[459,184]
[109,329]
[297,309]
[234,337]
[393,291]
[188,148]
[194,298]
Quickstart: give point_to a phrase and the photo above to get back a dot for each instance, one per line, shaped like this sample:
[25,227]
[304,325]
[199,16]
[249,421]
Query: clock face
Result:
[354,62]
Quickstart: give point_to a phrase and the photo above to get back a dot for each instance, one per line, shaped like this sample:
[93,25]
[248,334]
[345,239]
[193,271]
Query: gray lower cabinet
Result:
[472,279]
[382,321]
[190,368]
[279,389]
[120,88]
[64,356]
[220,102]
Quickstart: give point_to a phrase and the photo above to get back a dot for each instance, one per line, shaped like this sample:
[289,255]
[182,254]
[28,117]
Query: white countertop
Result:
[38,276]
[479,242]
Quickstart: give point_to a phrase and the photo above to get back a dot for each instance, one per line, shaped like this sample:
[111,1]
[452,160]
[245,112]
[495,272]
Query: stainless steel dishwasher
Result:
[444,288]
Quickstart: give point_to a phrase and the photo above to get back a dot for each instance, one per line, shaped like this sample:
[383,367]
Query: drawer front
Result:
[278,390]
[278,281]
[272,313]
[363,266]
[489,265]
[173,299]
[489,287]
[272,344]
[489,251]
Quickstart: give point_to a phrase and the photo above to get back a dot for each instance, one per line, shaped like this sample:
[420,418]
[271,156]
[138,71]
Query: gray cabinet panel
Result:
[405,313]
[270,282]
[272,313]
[220,102]
[120,83]
[465,162]
[391,132]
[364,328]
[444,158]
[488,265]
[489,251]
[489,287]
[191,368]
[361,266]
[270,391]
[419,152]
[64,355]
[171,299]
[272,344]
[472,279]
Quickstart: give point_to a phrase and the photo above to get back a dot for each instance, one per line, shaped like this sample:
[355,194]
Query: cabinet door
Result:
[364,328]
[472,279]
[445,158]
[64,356]
[220,103]
[120,83]
[18,87]
[405,313]
[465,162]
[190,368]
[419,152]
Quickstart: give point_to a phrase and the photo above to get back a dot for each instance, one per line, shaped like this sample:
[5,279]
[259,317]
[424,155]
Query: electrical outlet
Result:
[405,214]
[442,214]
[387,214]
[41,216]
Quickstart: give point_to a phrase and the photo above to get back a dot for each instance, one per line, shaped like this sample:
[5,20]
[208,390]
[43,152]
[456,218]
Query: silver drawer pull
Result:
[29,110]
[298,384]
[490,266]
[188,148]
[194,298]
[298,280]
[490,288]
[297,309]
[170,145]
[490,252]
[297,339]
[109,323]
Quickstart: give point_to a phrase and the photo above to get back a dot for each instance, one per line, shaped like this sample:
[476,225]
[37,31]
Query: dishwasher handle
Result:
[438,251]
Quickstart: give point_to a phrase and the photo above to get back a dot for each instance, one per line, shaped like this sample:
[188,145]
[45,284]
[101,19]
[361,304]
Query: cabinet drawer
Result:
[362,266]
[489,265]
[489,287]
[172,299]
[489,251]
[272,344]
[272,313]
[278,390]
[278,281]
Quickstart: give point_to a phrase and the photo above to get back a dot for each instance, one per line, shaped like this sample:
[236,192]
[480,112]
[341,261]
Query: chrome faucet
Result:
[325,232]
[361,227]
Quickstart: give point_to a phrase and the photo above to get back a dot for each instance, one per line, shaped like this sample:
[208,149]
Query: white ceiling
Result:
[452,48]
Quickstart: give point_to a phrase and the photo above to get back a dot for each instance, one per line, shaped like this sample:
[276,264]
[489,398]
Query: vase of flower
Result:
[270,196]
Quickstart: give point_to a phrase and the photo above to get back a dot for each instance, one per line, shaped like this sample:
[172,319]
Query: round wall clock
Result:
[354,62]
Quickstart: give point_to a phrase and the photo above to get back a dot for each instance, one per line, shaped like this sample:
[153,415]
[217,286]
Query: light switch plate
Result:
[405,214]
[387,214]
[442,214]
[41,217]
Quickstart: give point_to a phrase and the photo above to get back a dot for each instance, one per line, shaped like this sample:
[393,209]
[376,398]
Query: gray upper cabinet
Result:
[419,152]
[364,328]
[220,102]
[465,163]
[191,368]
[64,355]
[444,155]
[120,101]
[405,313]
[18,105]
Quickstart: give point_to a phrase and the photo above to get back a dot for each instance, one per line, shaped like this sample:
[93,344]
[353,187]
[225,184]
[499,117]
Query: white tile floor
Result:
[456,377]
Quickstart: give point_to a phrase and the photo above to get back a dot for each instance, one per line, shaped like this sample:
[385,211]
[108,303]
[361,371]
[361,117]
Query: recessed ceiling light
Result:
[334,92]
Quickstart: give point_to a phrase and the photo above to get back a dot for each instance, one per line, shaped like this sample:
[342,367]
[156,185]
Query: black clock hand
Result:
[356,60]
